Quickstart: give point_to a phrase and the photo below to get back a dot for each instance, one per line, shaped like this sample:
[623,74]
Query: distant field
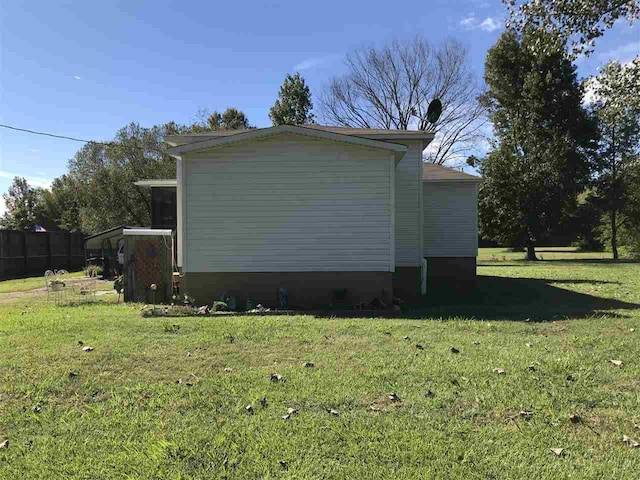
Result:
[531,372]
[543,253]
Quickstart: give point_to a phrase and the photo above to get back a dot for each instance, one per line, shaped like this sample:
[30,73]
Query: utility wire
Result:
[54,135]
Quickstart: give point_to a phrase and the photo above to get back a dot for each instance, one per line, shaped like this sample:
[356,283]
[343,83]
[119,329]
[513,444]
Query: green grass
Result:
[124,415]
[30,283]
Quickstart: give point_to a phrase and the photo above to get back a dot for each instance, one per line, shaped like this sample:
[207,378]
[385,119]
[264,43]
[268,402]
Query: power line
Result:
[53,135]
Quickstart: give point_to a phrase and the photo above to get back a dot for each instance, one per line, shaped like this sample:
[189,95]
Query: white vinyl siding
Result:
[288,203]
[408,197]
[450,220]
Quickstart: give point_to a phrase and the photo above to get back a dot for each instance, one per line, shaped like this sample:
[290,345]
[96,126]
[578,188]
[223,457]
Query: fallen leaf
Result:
[632,330]
[571,378]
[575,418]
[80,342]
[405,337]
[188,354]
[375,408]
[249,409]
[630,442]
[394,397]
[429,394]
[291,411]
[617,363]
[37,409]
[558,451]
[4,444]
[228,370]
[309,365]
[636,425]
[284,464]
[286,417]
[526,414]
[528,345]
[531,368]
[73,374]
[419,347]
[476,343]
[263,402]
[454,350]
[87,349]
[333,412]
[499,371]
[178,381]
[276,377]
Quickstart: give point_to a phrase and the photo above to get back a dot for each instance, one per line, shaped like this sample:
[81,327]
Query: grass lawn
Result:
[30,283]
[552,326]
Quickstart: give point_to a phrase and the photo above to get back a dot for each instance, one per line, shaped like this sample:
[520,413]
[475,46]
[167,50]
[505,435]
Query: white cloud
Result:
[33,181]
[315,62]
[622,53]
[77,77]
[489,24]
[469,21]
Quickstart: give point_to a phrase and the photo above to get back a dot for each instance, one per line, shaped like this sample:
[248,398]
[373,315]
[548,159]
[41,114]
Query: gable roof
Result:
[440,174]
[214,141]
[371,133]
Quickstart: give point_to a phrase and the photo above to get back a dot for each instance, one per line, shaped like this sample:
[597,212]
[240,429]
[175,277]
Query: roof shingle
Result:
[438,173]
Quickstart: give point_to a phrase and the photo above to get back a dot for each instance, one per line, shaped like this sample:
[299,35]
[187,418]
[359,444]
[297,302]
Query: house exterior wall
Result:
[287,203]
[450,219]
[408,223]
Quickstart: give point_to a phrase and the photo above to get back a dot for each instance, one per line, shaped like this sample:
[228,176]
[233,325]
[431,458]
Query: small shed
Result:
[148,260]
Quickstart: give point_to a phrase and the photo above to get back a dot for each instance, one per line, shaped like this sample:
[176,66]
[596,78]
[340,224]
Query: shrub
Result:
[93,270]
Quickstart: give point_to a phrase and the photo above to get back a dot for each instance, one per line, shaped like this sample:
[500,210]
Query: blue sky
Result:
[85,69]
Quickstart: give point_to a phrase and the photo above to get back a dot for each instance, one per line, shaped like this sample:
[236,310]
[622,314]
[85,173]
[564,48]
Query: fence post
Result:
[26,256]
[69,267]
[49,259]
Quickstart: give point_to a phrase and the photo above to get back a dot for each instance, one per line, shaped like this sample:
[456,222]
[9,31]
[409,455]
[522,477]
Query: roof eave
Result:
[452,180]
[265,132]
[157,183]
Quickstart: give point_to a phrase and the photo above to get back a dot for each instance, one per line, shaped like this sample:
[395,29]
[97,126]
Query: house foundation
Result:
[305,290]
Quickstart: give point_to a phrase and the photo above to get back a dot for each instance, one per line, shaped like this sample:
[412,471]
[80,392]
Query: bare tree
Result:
[391,88]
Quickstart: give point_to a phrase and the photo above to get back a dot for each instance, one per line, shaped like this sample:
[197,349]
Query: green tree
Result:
[62,203]
[25,208]
[104,176]
[617,109]
[230,119]
[293,106]
[554,23]
[539,162]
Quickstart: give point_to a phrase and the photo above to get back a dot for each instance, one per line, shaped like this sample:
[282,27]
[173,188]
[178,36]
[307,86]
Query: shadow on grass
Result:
[532,299]
[515,262]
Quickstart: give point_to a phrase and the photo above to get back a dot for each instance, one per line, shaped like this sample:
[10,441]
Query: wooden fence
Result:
[24,254]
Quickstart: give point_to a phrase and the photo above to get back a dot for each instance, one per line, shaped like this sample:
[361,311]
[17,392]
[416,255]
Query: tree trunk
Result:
[614,175]
[614,235]
[531,253]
